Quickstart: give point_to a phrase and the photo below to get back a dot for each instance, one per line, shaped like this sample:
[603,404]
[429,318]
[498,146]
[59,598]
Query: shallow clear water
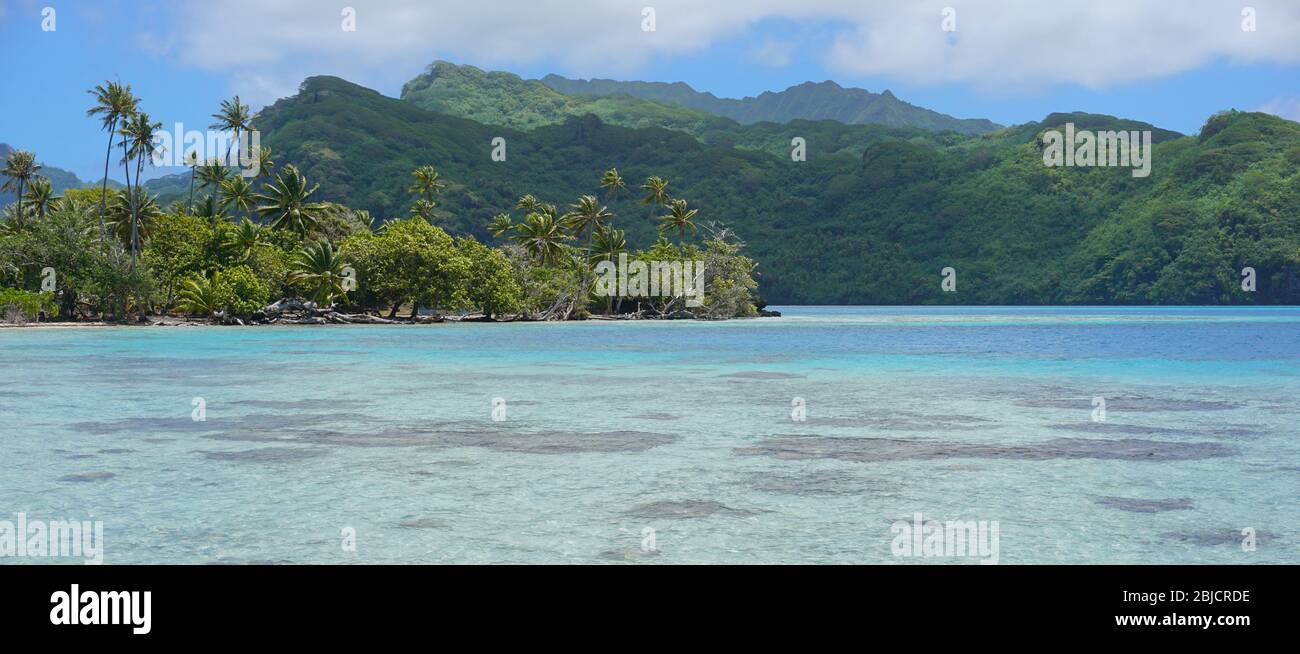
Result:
[685,428]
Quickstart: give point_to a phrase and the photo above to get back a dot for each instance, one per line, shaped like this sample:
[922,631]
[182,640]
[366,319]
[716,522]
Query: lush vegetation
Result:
[226,250]
[807,101]
[871,217]
[875,227]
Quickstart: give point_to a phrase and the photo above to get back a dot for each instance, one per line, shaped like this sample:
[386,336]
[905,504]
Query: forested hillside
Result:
[868,228]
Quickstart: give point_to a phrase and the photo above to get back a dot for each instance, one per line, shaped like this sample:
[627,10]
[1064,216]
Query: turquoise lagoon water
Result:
[681,427]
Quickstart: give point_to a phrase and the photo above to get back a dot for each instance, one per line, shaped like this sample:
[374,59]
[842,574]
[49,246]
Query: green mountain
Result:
[869,228]
[60,179]
[499,98]
[807,101]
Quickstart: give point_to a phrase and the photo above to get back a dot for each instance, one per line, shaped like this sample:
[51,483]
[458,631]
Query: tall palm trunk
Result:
[21,180]
[103,188]
[190,210]
[135,212]
[126,168]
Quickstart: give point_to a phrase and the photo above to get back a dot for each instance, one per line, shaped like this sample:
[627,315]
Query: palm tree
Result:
[606,244]
[586,214]
[288,204]
[264,162]
[542,236]
[245,239]
[212,176]
[237,192]
[134,209]
[613,183]
[233,116]
[19,168]
[113,102]
[191,160]
[679,218]
[500,225]
[139,130]
[527,204]
[41,194]
[656,191]
[210,208]
[426,185]
[200,296]
[426,182]
[320,267]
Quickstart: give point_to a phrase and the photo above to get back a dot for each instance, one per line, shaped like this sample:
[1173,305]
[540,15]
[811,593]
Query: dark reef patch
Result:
[266,455]
[1136,505]
[886,449]
[671,510]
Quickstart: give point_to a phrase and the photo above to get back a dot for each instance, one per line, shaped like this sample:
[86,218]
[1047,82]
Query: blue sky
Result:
[1010,62]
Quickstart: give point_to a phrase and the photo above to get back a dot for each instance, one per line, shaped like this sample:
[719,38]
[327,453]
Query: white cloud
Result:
[1287,107]
[270,46]
[773,52]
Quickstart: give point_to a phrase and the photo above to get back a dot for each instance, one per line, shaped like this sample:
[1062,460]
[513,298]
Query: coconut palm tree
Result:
[201,295]
[238,193]
[211,209]
[244,240]
[607,243]
[132,209]
[191,160]
[234,116]
[113,102]
[19,168]
[287,203]
[527,204]
[426,182]
[500,225]
[264,162]
[139,132]
[542,236]
[613,183]
[679,218]
[656,191]
[40,194]
[320,268]
[586,214]
[426,185]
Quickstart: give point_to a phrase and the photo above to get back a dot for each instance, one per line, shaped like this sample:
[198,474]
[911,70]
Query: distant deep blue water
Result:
[680,427]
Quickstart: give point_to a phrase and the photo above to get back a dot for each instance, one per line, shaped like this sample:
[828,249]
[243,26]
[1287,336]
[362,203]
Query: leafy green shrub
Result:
[17,305]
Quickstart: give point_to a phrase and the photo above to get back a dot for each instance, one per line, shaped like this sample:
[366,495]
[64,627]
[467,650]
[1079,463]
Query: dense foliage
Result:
[869,228]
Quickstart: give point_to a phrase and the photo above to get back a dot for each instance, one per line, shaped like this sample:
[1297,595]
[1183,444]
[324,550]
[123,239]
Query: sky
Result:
[1172,64]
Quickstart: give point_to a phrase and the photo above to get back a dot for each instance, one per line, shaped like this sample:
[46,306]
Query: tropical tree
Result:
[426,185]
[319,268]
[586,215]
[264,162]
[287,203]
[613,183]
[244,239]
[234,116]
[542,236]
[40,195]
[201,295]
[139,130]
[607,244]
[113,102]
[211,209]
[656,191]
[500,225]
[679,218]
[527,204]
[191,160]
[238,193]
[19,168]
[131,214]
